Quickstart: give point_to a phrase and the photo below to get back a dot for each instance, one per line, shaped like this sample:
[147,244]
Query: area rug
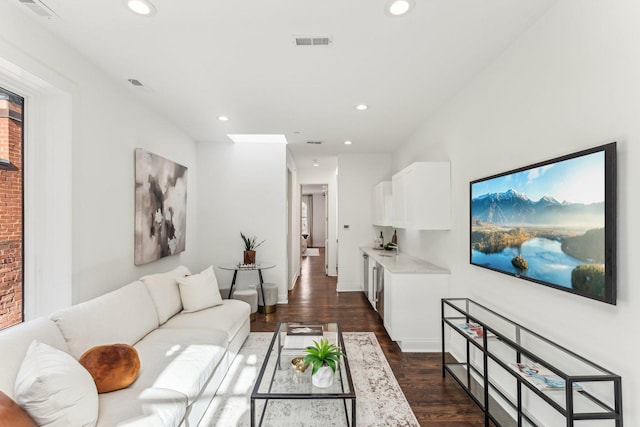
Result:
[380,401]
[311,252]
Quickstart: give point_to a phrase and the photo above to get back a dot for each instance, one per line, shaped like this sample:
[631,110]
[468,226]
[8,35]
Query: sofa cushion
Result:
[12,415]
[122,316]
[164,291]
[132,407]
[54,389]
[112,367]
[15,341]
[228,317]
[199,291]
[180,359]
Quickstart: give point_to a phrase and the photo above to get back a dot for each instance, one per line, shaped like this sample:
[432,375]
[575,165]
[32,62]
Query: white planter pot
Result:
[323,378]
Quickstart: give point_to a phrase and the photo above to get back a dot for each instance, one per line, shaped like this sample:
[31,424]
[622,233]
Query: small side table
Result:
[256,267]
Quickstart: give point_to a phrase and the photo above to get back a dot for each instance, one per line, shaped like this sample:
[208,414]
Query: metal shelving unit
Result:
[487,374]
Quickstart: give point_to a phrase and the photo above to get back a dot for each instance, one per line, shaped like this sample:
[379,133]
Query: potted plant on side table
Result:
[324,357]
[250,246]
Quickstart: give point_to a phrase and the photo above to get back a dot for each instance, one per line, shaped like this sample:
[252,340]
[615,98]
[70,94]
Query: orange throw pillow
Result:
[12,415]
[112,367]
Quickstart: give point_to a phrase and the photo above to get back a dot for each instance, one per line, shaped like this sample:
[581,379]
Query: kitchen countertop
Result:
[402,263]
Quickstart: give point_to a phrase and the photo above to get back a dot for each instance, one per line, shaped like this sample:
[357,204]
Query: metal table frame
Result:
[236,268]
[276,340]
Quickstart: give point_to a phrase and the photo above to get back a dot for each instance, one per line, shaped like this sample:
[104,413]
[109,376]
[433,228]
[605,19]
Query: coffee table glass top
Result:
[278,378]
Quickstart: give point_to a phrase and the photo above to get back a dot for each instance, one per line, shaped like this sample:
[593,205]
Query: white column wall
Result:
[319,232]
[358,175]
[294,232]
[243,189]
[569,83]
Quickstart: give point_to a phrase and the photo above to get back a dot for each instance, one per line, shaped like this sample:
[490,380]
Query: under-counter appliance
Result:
[369,278]
[378,288]
[365,276]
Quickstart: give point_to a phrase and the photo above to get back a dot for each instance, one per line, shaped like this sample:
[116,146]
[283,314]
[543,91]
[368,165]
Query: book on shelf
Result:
[541,378]
[474,330]
[300,337]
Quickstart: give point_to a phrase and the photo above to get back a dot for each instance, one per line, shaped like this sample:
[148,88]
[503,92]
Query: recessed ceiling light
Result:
[361,107]
[315,163]
[347,142]
[260,138]
[142,7]
[399,7]
[223,118]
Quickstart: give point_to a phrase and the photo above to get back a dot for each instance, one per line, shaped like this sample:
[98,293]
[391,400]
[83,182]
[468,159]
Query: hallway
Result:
[434,400]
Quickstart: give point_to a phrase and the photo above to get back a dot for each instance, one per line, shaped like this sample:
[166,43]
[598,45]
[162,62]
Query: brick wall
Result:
[10,214]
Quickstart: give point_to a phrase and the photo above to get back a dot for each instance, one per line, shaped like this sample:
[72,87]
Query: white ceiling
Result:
[313,189]
[202,58]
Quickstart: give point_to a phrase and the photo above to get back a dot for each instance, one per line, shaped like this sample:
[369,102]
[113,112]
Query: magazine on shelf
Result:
[541,378]
[475,330]
[300,337]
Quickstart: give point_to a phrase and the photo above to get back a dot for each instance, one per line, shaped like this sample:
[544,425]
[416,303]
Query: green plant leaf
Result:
[322,353]
[250,242]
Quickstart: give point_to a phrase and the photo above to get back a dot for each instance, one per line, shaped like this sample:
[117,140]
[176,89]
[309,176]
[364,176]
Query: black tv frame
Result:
[610,212]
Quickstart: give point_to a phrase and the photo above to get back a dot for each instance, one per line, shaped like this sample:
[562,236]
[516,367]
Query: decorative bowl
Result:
[298,364]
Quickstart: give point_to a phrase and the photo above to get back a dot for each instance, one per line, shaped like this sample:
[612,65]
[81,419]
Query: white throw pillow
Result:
[55,389]
[199,291]
[164,291]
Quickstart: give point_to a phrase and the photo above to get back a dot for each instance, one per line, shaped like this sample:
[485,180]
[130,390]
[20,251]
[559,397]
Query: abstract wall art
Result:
[161,207]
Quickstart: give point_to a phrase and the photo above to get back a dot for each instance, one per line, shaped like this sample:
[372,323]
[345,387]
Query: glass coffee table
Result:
[283,395]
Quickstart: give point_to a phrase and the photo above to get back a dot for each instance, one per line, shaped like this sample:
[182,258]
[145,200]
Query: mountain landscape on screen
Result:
[545,224]
[513,208]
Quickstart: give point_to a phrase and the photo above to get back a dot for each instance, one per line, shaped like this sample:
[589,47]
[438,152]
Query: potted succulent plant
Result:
[250,246]
[324,359]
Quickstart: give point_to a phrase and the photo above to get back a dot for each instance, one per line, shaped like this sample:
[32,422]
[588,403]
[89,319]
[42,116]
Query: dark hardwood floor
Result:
[436,401]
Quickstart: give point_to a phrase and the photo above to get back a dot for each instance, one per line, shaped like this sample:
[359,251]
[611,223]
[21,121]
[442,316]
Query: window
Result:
[11,209]
[46,186]
[304,224]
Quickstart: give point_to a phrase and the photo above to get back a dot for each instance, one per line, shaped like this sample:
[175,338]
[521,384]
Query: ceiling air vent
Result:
[38,7]
[313,40]
[314,142]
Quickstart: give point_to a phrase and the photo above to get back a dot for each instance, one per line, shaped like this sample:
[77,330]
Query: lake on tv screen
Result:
[546,223]
[546,261]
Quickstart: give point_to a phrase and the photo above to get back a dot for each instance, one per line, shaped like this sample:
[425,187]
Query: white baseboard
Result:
[420,346]
[349,287]
[293,283]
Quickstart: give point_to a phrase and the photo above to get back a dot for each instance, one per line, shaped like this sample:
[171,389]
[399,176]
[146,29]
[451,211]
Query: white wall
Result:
[243,189]
[108,124]
[570,83]
[293,205]
[325,175]
[358,175]
[318,232]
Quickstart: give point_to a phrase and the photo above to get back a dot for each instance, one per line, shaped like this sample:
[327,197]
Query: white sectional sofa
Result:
[183,356]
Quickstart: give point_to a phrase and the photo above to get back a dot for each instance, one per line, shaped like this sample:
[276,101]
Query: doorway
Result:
[313,223]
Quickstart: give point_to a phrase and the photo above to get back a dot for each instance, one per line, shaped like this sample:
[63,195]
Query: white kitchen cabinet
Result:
[398,195]
[411,292]
[421,196]
[412,309]
[382,204]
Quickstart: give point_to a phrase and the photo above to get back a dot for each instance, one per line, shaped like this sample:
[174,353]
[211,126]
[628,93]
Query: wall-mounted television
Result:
[552,223]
